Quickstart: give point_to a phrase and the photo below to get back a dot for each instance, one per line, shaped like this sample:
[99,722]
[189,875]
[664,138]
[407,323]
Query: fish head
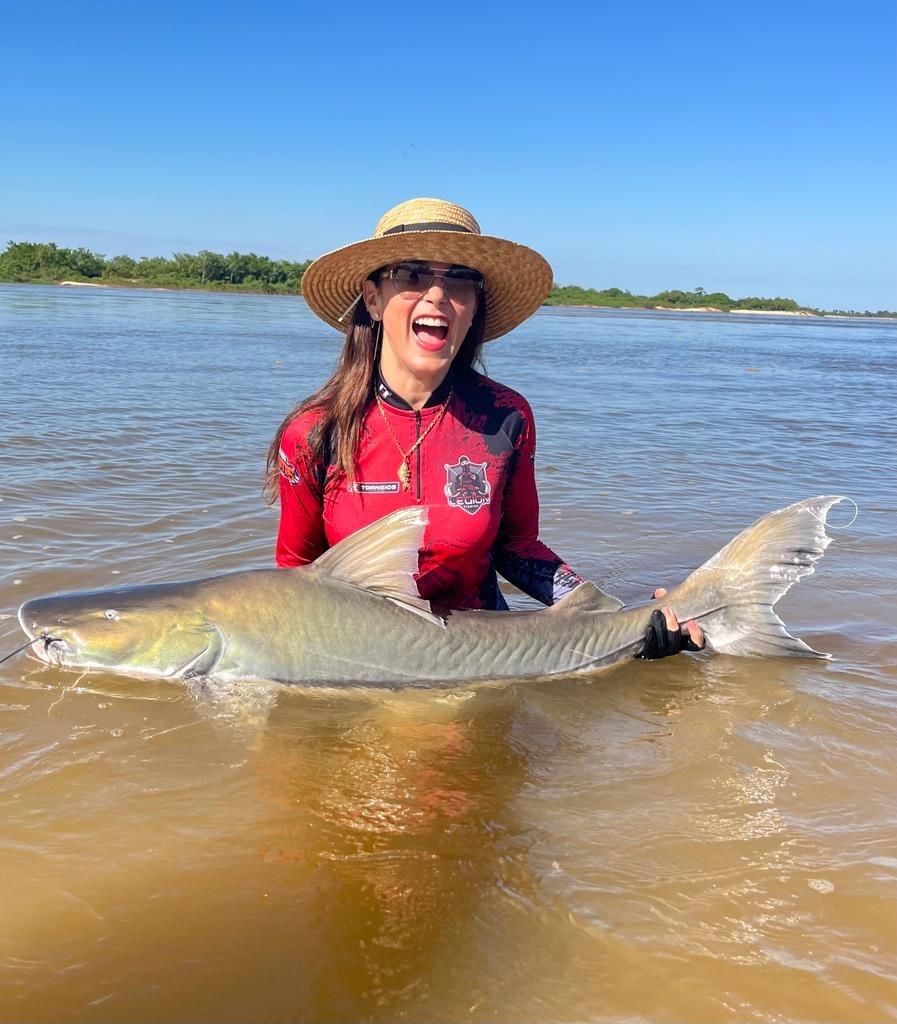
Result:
[137,630]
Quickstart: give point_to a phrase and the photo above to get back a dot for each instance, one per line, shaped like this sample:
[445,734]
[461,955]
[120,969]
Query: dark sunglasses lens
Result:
[411,279]
[464,274]
[459,283]
[462,284]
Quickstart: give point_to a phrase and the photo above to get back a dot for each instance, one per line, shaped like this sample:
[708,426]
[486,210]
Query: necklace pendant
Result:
[404,475]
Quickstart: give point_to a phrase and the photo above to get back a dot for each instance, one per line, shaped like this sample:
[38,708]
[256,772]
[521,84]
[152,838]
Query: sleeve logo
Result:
[287,470]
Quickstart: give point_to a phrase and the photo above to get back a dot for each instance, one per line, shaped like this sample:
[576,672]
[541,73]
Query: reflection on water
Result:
[705,839]
[404,838]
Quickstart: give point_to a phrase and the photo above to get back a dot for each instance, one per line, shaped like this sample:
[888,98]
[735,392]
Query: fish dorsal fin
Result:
[588,598]
[382,558]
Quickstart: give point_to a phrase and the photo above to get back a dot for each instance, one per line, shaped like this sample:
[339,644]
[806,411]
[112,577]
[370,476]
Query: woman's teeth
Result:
[430,328]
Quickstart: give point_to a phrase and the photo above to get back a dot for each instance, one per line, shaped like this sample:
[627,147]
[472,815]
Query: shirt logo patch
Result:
[466,485]
[287,470]
[374,488]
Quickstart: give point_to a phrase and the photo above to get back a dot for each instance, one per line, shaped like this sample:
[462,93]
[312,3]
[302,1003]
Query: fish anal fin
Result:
[588,598]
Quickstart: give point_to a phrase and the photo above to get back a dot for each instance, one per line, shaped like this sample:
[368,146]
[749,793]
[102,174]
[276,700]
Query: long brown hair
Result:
[342,401]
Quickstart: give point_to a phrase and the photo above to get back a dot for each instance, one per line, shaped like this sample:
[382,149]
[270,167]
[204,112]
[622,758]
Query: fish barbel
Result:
[354,617]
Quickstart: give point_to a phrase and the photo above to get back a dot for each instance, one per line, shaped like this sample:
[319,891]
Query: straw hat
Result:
[517,279]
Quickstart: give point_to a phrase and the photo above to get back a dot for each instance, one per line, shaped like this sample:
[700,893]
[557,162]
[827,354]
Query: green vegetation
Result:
[617,298]
[47,263]
[571,295]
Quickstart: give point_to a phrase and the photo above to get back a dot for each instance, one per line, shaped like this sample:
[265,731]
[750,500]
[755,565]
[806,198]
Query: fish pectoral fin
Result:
[588,598]
[207,658]
[381,558]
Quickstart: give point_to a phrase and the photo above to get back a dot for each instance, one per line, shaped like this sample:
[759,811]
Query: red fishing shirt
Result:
[474,470]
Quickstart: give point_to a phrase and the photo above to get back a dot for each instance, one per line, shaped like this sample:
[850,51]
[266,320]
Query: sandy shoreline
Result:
[776,312]
[144,287]
[726,312]
[705,309]
[750,312]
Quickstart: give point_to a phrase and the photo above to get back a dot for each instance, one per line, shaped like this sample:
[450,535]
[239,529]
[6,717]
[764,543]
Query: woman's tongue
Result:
[429,333]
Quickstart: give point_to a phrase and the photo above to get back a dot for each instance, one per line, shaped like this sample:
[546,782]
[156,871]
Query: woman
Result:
[406,419]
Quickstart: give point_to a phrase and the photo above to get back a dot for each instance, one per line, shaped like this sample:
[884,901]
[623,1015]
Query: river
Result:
[700,839]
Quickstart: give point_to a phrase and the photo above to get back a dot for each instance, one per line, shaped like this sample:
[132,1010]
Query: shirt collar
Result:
[390,397]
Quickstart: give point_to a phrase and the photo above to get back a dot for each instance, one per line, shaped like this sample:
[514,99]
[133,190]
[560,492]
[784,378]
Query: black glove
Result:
[660,642]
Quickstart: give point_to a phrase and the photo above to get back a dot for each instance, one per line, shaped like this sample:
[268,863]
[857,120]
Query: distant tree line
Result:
[573,295]
[47,262]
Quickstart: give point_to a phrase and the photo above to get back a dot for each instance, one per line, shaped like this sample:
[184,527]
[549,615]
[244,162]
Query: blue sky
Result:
[749,148]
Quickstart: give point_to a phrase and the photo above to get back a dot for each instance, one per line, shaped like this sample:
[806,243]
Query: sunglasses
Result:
[458,283]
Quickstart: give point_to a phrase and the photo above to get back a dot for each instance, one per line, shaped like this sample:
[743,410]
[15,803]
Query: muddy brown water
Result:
[703,839]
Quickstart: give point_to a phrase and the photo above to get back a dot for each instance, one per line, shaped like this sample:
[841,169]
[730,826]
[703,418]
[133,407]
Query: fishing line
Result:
[822,519]
[18,650]
[65,690]
[856,512]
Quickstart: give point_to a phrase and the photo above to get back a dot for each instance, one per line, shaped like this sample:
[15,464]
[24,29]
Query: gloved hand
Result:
[662,638]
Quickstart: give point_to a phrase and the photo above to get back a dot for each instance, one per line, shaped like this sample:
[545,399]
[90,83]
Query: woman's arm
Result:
[519,554]
[536,570]
[300,536]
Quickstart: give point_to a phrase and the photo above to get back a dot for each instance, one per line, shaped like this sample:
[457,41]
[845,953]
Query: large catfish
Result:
[354,618]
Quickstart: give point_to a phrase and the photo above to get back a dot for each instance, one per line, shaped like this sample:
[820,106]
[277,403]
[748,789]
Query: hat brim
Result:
[517,278]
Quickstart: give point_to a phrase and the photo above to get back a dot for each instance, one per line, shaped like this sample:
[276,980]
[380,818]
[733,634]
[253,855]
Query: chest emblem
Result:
[466,485]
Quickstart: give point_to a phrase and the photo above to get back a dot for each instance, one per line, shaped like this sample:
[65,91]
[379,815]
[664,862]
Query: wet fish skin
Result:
[353,618]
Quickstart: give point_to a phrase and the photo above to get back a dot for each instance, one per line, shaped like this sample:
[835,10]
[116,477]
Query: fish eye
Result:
[112,614]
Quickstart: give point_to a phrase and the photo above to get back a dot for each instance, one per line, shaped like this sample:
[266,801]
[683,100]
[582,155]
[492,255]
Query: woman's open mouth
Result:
[430,331]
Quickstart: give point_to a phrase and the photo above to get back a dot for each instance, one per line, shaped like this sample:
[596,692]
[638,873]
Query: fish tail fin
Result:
[733,594]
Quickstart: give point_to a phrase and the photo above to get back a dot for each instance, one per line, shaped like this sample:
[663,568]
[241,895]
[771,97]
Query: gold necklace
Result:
[404,470]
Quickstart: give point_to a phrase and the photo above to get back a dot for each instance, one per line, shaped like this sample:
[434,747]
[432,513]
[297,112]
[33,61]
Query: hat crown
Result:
[516,279]
[425,215]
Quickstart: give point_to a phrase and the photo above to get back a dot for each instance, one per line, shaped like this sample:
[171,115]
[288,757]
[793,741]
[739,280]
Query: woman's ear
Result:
[473,314]
[371,294]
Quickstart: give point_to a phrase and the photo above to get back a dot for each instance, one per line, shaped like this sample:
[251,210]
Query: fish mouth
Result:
[45,647]
[54,649]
